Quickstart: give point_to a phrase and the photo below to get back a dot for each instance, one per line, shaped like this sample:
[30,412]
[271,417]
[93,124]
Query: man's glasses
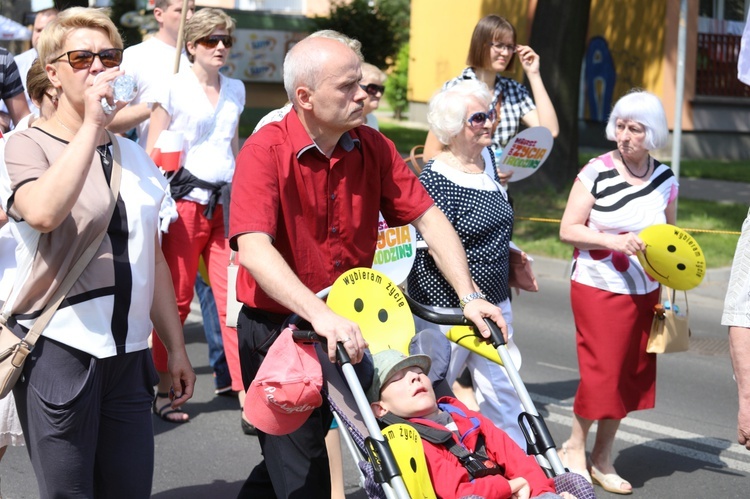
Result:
[373,89]
[477,120]
[500,47]
[211,42]
[83,59]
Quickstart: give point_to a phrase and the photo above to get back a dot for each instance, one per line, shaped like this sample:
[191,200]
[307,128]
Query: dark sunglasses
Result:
[373,89]
[477,120]
[83,59]
[211,42]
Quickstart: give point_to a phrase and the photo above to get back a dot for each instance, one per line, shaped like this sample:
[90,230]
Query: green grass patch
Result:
[405,138]
[734,171]
[542,238]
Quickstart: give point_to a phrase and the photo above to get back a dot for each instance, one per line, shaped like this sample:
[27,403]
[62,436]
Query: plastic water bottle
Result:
[124,88]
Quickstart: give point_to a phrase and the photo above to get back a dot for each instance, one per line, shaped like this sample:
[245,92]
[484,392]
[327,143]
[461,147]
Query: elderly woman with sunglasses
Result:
[85,395]
[373,82]
[205,106]
[463,182]
[491,52]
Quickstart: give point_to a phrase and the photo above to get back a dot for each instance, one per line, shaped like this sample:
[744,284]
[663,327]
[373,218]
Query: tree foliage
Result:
[396,86]
[357,19]
[398,12]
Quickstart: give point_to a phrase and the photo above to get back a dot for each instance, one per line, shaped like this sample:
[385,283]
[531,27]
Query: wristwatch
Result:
[473,296]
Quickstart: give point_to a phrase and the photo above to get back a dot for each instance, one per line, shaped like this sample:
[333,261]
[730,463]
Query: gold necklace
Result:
[456,163]
[64,126]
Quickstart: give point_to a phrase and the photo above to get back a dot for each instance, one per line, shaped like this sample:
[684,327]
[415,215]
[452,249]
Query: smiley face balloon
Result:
[672,257]
[377,305]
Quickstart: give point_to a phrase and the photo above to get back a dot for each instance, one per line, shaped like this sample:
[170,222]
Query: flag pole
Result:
[180,36]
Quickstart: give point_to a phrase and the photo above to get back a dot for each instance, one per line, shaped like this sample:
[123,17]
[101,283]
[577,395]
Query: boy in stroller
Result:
[467,455]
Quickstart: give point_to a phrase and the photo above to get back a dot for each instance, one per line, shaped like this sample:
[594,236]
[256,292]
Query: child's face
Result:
[408,394]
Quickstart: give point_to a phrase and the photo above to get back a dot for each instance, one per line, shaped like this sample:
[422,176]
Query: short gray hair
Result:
[372,73]
[447,111]
[644,108]
[302,66]
[353,44]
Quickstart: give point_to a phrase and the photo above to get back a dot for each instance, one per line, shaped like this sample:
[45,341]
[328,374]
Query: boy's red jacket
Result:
[451,480]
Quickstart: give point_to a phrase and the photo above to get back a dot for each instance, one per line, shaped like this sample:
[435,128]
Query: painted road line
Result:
[718,455]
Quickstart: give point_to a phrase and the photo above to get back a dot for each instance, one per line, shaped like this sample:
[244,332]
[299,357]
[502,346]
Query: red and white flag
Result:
[167,152]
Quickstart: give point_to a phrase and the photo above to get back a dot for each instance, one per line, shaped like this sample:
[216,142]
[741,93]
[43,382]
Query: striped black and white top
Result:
[621,207]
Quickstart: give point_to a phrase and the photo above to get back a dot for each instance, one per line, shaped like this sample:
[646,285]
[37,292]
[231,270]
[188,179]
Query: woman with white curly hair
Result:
[463,182]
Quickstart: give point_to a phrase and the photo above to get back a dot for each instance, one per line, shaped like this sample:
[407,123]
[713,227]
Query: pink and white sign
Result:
[525,153]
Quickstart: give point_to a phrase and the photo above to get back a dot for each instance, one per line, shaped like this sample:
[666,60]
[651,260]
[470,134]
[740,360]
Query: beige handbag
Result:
[670,329]
[14,350]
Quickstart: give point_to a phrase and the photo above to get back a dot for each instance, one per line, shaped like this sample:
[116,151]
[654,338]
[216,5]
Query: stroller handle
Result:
[496,334]
[342,356]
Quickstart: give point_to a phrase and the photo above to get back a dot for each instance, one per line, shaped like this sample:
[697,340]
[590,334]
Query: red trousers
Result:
[191,236]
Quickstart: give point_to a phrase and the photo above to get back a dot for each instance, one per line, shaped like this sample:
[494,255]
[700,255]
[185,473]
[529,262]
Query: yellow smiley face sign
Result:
[377,305]
[406,445]
[672,257]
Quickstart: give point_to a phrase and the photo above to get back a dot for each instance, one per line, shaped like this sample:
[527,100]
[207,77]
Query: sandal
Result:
[611,482]
[166,410]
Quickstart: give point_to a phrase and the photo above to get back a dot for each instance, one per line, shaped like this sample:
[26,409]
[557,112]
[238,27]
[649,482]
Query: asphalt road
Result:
[683,448]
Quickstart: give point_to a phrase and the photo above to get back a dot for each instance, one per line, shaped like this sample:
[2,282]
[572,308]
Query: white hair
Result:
[447,111]
[644,108]
[302,67]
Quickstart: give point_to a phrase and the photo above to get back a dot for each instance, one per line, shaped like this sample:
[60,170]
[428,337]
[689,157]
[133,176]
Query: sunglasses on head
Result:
[373,89]
[83,59]
[211,42]
[477,120]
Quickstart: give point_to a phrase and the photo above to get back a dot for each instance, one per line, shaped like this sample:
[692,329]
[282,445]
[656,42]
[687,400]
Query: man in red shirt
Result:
[305,200]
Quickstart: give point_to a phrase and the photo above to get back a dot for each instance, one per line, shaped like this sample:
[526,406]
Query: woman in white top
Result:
[42,95]
[205,106]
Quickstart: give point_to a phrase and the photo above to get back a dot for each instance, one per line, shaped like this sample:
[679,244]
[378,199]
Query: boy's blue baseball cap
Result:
[389,362]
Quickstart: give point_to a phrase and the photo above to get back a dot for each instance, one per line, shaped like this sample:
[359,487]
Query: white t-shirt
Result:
[8,242]
[208,131]
[152,64]
[24,62]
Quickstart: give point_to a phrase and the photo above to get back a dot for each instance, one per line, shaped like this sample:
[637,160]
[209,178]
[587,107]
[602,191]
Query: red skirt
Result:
[617,374]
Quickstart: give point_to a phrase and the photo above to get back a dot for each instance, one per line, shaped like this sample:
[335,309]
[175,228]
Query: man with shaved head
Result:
[305,200]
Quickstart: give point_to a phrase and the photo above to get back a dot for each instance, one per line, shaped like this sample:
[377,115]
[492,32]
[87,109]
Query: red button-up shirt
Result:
[322,213]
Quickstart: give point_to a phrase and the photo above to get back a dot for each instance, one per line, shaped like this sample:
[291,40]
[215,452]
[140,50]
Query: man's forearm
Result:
[130,117]
[272,273]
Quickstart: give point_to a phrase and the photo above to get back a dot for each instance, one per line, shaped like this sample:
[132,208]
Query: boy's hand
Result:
[520,488]
[567,495]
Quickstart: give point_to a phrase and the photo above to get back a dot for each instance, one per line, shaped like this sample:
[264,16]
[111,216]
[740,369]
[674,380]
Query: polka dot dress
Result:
[478,208]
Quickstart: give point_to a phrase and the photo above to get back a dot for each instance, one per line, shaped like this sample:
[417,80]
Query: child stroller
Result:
[381,476]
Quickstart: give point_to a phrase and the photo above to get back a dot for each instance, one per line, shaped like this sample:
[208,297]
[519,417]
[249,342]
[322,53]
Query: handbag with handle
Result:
[14,350]
[670,328]
[520,273]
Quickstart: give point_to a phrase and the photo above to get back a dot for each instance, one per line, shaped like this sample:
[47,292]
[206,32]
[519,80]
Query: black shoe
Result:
[248,428]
